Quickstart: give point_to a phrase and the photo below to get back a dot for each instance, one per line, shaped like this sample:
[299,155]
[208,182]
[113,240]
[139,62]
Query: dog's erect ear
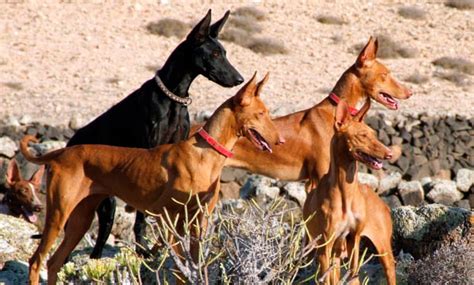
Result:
[217,26]
[247,93]
[342,114]
[13,173]
[368,53]
[363,111]
[261,84]
[37,176]
[201,31]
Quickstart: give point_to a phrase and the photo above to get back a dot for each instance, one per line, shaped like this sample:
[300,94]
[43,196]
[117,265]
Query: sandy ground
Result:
[59,60]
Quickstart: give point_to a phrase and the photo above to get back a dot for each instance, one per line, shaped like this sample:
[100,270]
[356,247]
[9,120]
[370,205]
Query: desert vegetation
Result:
[389,48]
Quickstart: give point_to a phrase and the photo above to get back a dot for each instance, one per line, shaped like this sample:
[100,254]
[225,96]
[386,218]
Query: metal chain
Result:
[183,100]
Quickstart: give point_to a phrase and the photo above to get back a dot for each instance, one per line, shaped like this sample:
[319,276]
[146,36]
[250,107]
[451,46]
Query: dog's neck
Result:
[349,88]
[176,74]
[343,167]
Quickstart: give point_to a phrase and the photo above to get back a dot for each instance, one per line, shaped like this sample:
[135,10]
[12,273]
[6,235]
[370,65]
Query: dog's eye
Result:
[216,54]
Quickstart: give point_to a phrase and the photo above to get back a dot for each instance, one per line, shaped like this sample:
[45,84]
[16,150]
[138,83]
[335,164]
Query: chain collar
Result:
[183,100]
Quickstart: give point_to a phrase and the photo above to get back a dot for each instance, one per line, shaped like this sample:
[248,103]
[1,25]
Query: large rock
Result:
[296,190]
[233,174]
[392,201]
[389,183]
[258,185]
[411,192]
[15,239]
[368,179]
[420,231]
[444,192]
[16,272]
[8,147]
[464,179]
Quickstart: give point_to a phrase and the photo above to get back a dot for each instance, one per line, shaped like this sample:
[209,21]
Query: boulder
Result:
[392,201]
[368,179]
[15,239]
[464,179]
[388,183]
[444,192]
[420,231]
[16,272]
[297,191]
[230,190]
[8,147]
[464,203]
[412,193]
[257,184]
[233,174]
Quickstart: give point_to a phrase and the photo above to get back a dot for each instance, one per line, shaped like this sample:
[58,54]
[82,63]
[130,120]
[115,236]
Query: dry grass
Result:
[14,85]
[460,4]
[246,23]
[169,28]
[250,12]
[388,48]
[459,79]
[237,36]
[330,20]
[152,67]
[456,63]
[417,78]
[412,12]
[267,46]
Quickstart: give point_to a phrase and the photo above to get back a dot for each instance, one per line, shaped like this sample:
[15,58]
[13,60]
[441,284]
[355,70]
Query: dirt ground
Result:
[59,60]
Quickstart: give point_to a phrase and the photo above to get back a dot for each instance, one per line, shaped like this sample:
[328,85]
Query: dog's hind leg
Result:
[380,235]
[106,214]
[78,224]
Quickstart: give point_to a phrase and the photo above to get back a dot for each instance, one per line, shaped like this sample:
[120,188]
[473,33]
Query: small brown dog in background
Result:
[21,199]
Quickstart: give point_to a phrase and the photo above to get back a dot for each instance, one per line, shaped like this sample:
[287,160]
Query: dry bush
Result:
[448,265]
[455,77]
[245,23]
[237,36]
[417,78]
[456,63]
[251,12]
[388,48]
[153,67]
[412,12]
[169,27]
[460,4]
[14,85]
[330,20]
[267,46]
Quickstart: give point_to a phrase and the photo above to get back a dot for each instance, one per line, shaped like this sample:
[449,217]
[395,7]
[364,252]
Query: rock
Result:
[403,162]
[368,179]
[396,153]
[464,203]
[16,272]
[255,182]
[388,183]
[297,191]
[420,231]
[7,147]
[444,192]
[233,174]
[443,174]
[464,179]
[412,193]
[417,172]
[271,192]
[25,119]
[471,200]
[230,190]
[15,239]
[420,160]
[392,201]
[47,146]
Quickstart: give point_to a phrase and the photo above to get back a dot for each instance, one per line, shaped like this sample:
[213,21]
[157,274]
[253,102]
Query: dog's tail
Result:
[44,159]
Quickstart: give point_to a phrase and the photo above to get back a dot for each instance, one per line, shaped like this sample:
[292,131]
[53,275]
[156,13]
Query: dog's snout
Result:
[239,79]
[37,208]
[389,155]
[281,140]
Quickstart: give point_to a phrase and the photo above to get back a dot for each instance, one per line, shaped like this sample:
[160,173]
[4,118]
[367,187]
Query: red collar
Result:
[334,98]
[215,144]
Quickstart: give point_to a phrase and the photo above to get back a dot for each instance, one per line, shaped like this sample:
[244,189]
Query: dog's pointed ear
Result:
[342,114]
[247,93]
[363,111]
[13,173]
[261,84]
[217,26]
[201,31]
[37,176]
[368,53]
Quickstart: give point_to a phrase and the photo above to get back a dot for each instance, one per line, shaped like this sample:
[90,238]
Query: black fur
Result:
[148,118]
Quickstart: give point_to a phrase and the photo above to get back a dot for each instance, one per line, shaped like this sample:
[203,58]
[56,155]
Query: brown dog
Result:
[80,177]
[305,154]
[21,199]
[340,210]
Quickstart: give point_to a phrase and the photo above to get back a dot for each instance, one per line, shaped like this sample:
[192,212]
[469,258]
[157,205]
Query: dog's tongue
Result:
[30,216]
[391,101]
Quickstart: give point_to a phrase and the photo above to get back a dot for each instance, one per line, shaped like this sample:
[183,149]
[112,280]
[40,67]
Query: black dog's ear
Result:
[217,26]
[201,31]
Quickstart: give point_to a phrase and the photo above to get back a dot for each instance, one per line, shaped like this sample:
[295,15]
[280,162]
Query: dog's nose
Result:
[389,155]
[239,79]
[281,140]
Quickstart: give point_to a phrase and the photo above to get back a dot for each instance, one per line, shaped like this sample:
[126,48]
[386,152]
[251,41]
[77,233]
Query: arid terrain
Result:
[63,59]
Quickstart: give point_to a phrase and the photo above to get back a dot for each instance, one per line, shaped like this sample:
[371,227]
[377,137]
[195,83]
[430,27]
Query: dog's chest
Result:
[170,125]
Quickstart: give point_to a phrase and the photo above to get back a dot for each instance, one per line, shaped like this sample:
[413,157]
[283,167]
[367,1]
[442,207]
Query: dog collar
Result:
[183,100]
[334,98]
[215,144]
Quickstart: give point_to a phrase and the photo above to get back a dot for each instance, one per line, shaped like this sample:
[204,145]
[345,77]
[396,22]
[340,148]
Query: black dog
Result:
[157,113]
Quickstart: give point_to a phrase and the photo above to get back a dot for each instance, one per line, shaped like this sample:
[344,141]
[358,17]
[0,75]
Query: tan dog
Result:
[305,154]
[341,211]
[21,198]
[80,177]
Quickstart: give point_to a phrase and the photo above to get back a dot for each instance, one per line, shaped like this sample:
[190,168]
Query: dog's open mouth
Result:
[259,141]
[370,161]
[29,215]
[388,101]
